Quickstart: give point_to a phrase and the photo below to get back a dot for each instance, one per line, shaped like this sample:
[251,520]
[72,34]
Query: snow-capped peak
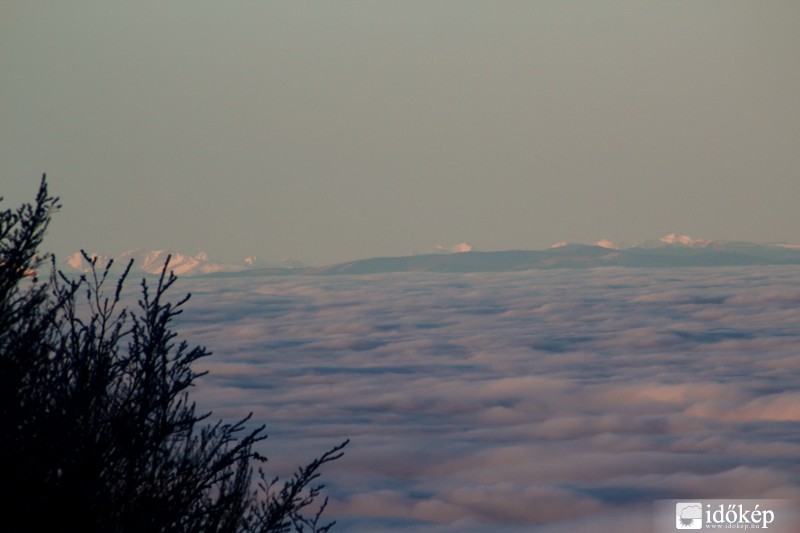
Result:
[152,261]
[684,240]
[459,248]
[605,243]
[77,262]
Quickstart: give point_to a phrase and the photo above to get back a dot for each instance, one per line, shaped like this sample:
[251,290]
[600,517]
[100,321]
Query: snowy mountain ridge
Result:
[152,261]
[669,251]
[674,240]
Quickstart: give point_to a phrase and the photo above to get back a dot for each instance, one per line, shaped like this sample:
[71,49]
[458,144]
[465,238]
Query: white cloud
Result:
[547,400]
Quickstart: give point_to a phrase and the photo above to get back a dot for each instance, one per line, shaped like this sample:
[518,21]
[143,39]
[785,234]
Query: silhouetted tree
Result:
[97,431]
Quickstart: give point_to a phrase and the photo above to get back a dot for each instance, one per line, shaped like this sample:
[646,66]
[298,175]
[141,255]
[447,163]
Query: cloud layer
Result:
[555,400]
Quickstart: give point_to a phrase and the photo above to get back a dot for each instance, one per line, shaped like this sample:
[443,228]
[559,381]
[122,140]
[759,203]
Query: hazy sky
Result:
[327,131]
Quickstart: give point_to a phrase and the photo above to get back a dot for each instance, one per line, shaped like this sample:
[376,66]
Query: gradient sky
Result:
[328,131]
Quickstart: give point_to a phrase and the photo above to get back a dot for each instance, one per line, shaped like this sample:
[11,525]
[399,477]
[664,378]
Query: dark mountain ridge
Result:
[567,256]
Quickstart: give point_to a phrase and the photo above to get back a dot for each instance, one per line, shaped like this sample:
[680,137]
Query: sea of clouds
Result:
[554,401]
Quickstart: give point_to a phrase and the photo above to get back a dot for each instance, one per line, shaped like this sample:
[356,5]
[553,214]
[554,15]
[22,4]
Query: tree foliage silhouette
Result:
[96,426]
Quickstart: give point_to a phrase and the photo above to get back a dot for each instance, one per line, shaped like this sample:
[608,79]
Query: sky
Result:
[566,401]
[332,131]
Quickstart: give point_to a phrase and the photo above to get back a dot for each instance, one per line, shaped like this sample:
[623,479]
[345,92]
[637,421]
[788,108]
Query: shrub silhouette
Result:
[97,431]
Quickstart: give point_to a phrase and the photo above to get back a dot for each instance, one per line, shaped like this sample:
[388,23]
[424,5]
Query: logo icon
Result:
[689,515]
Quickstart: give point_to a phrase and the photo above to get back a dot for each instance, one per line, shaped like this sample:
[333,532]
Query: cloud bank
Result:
[543,400]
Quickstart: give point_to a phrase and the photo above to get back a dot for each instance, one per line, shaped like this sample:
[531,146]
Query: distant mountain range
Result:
[152,261]
[581,256]
[670,251]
